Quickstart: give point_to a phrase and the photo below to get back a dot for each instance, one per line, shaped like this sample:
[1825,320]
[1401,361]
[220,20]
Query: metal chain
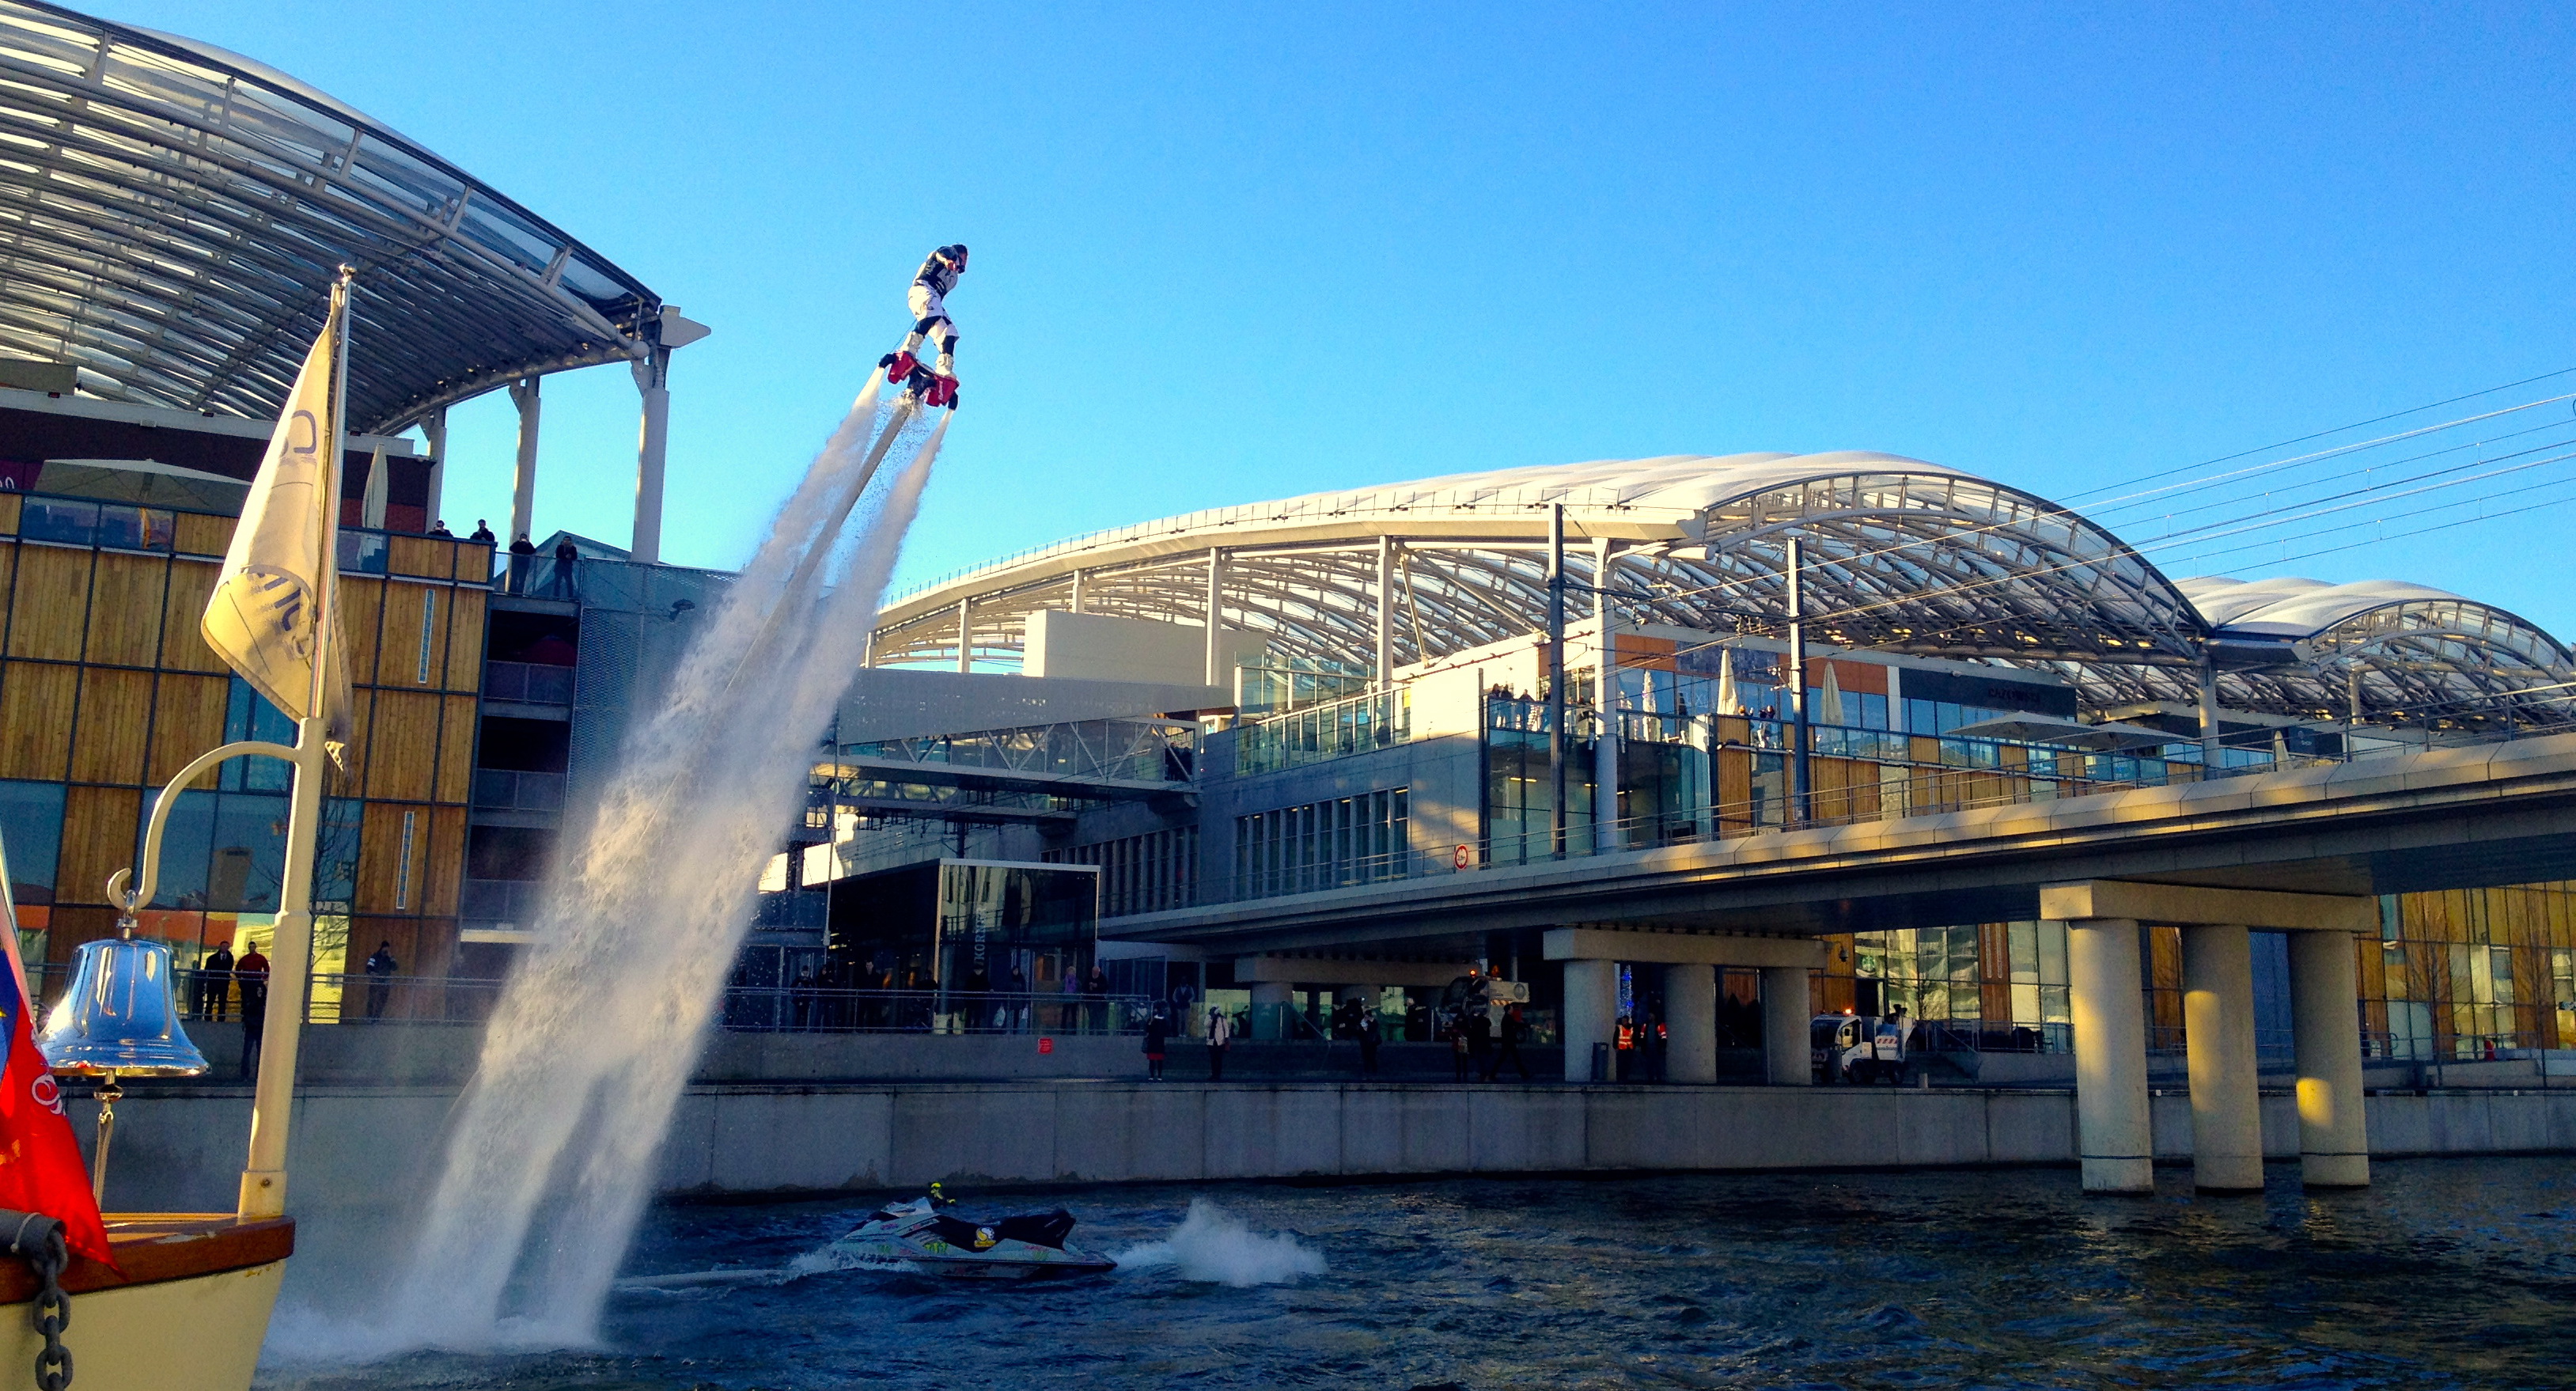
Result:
[52,1311]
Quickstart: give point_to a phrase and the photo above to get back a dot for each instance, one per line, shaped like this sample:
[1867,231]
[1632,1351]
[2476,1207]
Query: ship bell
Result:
[121,1015]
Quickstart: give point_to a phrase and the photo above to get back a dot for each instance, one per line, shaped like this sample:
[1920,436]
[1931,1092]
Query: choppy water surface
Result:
[2453,1273]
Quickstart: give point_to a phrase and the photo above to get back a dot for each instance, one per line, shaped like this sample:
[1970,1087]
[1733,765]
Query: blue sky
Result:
[1225,253]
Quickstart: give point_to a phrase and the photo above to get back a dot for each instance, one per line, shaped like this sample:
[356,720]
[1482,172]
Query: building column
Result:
[965,636]
[523,485]
[1270,1000]
[2112,1131]
[1787,1005]
[2334,1144]
[1591,1014]
[2218,1030]
[1077,591]
[1690,1012]
[1215,618]
[652,446]
[433,428]
[1385,612]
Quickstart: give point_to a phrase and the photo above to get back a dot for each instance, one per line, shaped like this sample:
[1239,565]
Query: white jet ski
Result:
[923,1237]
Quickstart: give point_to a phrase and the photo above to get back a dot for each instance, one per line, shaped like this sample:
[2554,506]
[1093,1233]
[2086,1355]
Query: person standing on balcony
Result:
[1369,1037]
[1158,1031]
[1480,1042]
[1220,1036]
[567,555]
[215,983]
[523,553]
[380,978]
[1514,1030]
[252,972]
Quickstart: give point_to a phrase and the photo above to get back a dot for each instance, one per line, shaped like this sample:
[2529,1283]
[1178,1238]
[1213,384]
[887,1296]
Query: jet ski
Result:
[922,1236]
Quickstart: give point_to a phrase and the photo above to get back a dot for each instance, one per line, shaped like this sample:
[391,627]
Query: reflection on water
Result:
[2448,1273]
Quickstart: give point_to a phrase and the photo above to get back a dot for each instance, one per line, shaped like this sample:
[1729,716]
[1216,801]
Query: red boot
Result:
[899,366]
[942,392]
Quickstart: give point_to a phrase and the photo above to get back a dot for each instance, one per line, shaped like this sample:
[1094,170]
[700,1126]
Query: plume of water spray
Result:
[549,1161]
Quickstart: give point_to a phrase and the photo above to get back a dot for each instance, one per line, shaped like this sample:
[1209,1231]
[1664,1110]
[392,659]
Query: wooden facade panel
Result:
[183,646]
[465,612]
[414,638]
[446,862]
[402,746]
[113,724]
[456,752]
[393,858]
[202,534]
[50,610]
[422,556]
[187,720]
[9,505]
[67,927]
[126,597]
[99,825]
[36,703]
[362,604]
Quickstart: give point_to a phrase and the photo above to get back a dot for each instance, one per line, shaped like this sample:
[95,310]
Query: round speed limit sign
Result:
[1464,857]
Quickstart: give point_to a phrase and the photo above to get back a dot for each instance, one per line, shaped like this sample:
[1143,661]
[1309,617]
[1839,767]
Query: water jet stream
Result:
[549,1157]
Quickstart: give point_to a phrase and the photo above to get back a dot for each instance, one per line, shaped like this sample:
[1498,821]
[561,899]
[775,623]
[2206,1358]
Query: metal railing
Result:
[499,900]
[355,997]
[532,683]
[1315,733]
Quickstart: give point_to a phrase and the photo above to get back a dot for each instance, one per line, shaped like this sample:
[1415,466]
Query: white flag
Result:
[269,598]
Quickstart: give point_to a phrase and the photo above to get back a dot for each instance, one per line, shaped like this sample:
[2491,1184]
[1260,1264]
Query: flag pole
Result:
[263,1181]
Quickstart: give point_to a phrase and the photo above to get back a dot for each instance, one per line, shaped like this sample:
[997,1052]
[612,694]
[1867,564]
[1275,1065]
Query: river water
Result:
[2447,1273]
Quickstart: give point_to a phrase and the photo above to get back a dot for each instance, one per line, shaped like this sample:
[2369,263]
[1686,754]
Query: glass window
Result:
[335,863]
[249,861]
[136,528]
[31,833]
[248,715]
[59,519]
[187,842]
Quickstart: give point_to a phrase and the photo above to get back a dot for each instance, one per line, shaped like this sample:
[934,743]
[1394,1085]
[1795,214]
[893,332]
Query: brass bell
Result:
[121,1016]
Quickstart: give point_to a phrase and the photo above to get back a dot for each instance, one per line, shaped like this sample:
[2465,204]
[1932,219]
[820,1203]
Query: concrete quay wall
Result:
[369,1149]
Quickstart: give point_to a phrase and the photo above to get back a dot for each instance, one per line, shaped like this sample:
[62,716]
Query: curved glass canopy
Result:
[1901,556]
[174,216]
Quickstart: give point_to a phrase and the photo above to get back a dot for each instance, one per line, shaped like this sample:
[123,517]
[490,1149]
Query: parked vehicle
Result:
[1856,1048]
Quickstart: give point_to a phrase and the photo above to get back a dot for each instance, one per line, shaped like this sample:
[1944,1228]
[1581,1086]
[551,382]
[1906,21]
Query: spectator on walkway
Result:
[1158,1031]
[566,556]
[1458,1061]
[482,532]
[439,530]
[1659,1041]
[800,1001]
[1096,1008]
[252,972]
[1624,1050]
[380,978]
[1220,1035]
[523,554]
[1014,1010]
[979,991]
[1369,1034]
[1480,1042]
[1515,1030]
[215,983]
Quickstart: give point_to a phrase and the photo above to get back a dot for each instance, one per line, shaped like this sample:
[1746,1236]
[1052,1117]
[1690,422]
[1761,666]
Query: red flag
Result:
[40,1159]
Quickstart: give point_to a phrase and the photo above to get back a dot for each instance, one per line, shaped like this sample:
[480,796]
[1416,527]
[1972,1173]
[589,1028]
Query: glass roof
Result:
[173,215]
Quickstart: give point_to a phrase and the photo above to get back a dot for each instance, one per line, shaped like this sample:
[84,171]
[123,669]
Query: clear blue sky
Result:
[1225,253]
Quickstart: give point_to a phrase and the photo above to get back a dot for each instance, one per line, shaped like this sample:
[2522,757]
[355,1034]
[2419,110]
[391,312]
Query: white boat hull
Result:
[200,1333]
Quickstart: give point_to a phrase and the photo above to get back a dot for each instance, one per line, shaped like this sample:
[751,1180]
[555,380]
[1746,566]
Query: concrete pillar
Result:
[1385,611]
[1077,591]
[433,428]
[1591,1013]
[2334,1147]
[523,484]
[1690,1012]
[1215,619]
[965,636]
[2218,1027]
[2112,1132]
[1270,1001]
[1787,1056]
[652,447]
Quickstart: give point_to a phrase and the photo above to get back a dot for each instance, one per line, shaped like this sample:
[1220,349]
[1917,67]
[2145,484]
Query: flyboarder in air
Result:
[937,385]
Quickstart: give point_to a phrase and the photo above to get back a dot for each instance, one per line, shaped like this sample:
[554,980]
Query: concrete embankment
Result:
[358,1149]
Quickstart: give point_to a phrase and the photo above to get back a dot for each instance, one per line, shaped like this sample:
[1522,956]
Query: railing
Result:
[502,789]
[1359,724]
[532,683]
